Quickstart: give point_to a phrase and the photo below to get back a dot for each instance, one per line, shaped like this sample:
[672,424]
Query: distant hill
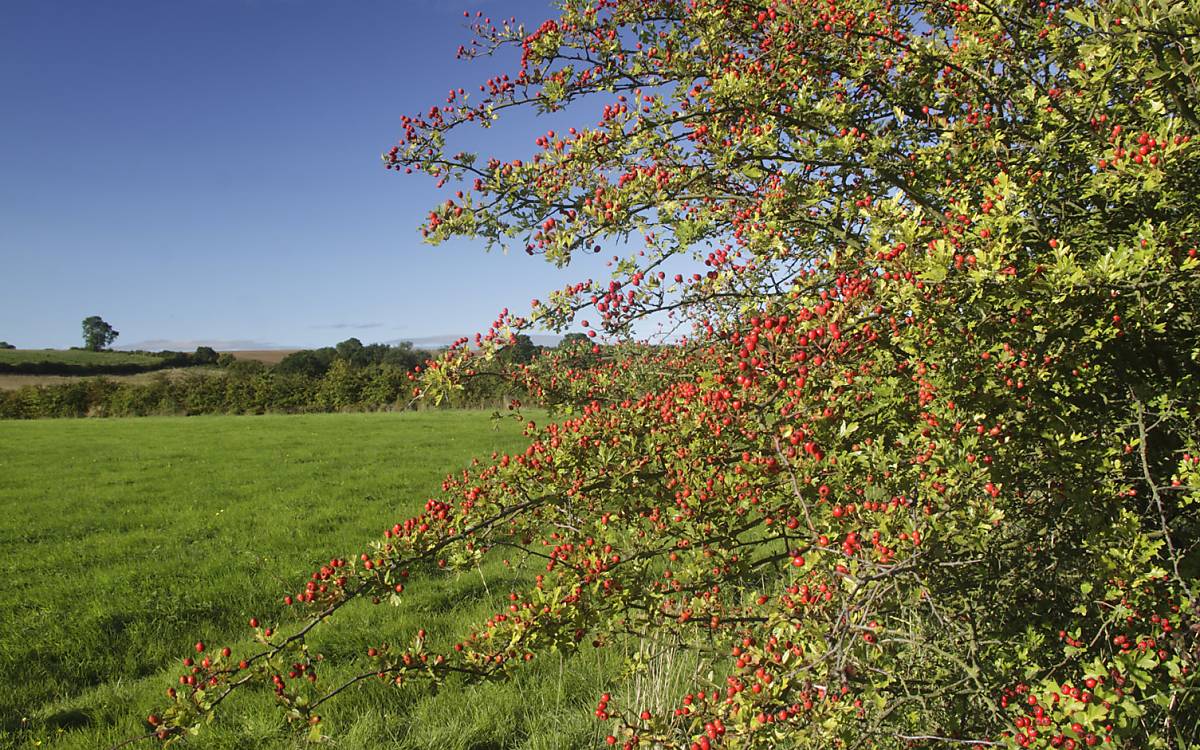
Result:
[434,342]
[74,357]
[266,356]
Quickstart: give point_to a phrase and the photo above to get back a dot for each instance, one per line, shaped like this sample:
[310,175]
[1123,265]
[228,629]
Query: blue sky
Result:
[208,171]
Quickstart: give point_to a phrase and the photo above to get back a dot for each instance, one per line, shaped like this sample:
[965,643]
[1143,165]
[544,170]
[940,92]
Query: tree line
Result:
[350,376]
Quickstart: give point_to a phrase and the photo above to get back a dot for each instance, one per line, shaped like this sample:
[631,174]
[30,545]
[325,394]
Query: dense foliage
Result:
[924,471]
[316,362]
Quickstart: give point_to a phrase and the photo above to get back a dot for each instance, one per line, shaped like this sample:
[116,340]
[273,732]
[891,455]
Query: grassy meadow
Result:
[37,367]
[92,364]
[11,382]
[75,357]
[123,541]
[266,356]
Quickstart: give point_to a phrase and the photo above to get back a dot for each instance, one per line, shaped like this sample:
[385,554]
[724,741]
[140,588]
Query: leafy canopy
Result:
[97,334]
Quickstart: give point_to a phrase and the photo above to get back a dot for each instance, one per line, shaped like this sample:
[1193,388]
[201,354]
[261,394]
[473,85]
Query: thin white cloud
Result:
[177,345]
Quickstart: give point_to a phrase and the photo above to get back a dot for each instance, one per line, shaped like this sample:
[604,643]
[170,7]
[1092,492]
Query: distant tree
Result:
[349,348]
[6,345]
[205,355]
[574,340]
[245,367]
[309,362]
[405,356]
[373,354]
[521,350]
[97,334]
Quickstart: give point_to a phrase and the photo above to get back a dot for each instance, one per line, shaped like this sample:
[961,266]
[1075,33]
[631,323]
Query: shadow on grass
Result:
[66,719]
[69,718]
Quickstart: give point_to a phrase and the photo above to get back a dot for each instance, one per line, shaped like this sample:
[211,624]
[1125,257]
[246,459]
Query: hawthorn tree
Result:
[923,470]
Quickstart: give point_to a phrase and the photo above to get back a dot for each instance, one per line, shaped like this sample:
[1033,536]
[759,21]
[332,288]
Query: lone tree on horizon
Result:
[97,334]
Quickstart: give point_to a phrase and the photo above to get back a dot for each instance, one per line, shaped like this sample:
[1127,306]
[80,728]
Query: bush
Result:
[205,355]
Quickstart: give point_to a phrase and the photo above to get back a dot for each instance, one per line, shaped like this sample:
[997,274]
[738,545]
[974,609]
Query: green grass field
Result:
[10,382]
[75,357]
[122,542]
